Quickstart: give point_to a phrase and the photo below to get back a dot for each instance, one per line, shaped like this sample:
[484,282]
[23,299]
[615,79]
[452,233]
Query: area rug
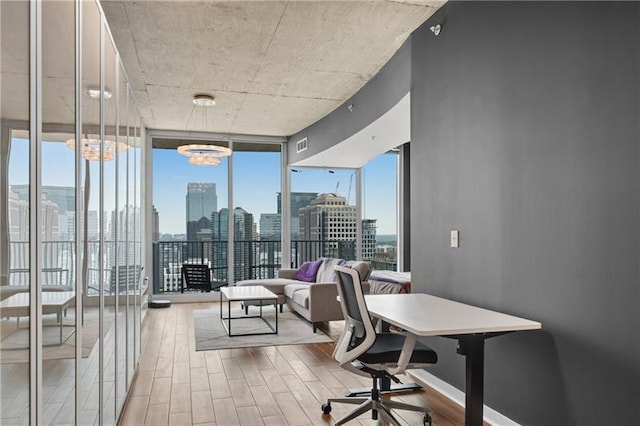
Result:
[292,330]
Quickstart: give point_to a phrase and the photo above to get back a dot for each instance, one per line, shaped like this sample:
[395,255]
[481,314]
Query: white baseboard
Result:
[425,378]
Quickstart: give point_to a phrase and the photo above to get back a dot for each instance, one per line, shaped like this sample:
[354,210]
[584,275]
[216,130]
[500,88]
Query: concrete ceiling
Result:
[274,67]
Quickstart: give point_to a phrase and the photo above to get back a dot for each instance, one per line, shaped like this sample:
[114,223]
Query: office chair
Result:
[362,351]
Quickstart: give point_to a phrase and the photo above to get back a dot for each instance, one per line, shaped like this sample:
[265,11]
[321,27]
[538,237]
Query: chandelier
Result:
[204,155]
[200,154]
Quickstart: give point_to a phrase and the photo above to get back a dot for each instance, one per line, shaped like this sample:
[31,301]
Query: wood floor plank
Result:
[278,420]
[265,401]
[136,411]
[157,415]
[219,386]
[161,391]
[181,373]
[180,398]
[199,379]
[180,419]
[142,383]
[202,407]
[249,416]
[241,393]
[225,412]
[232,368]
[164,366]
[273,381]
[291,410]
[213,362]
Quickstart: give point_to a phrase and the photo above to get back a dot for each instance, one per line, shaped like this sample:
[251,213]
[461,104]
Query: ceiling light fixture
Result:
[204,155]
[204,100]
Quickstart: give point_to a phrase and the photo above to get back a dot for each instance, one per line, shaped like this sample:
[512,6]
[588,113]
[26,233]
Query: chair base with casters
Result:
[376,406]
[373,403]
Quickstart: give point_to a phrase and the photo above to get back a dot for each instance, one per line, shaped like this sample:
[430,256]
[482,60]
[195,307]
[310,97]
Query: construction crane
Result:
[349,191]
[337,185]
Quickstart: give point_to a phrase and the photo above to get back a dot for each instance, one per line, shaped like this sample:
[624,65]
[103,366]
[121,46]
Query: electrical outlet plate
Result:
[455,238]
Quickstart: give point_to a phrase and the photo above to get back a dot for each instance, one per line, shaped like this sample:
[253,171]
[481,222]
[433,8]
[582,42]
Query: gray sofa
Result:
[315,301]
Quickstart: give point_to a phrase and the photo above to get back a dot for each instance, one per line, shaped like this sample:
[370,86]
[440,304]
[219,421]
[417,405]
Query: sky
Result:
[256,182]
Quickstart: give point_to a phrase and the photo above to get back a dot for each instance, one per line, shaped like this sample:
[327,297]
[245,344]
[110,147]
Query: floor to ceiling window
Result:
[70,228]
[380,211]
[257,218]
[192,218]
[190,214]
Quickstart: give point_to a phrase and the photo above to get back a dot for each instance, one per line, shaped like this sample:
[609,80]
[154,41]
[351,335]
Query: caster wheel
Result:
[427,420]
[326,408]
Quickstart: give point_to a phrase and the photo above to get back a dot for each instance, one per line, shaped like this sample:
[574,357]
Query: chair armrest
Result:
[287,273]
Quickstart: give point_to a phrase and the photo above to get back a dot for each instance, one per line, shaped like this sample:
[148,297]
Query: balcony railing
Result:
[252,259]
[59,265]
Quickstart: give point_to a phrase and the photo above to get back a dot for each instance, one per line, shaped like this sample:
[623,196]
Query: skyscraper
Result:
[201,203]
[243,253]
[330,218]
[368,238]
[298,201]
[270,226]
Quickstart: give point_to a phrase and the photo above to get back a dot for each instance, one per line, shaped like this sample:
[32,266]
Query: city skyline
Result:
[257,183]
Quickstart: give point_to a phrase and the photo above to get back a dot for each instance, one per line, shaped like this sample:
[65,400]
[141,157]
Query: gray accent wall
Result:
[375,98]
[525,137]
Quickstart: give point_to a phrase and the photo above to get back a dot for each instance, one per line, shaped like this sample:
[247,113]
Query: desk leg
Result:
[472,347]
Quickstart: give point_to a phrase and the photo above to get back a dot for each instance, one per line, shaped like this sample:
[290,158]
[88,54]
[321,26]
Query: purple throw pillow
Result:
[308,271]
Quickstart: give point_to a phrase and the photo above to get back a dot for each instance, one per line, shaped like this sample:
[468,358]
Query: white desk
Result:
[423,315]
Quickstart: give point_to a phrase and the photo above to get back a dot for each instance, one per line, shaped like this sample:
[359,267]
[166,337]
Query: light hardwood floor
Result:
[278,385]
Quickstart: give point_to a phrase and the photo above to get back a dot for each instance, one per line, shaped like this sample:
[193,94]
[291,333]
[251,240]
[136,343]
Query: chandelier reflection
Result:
[91,148]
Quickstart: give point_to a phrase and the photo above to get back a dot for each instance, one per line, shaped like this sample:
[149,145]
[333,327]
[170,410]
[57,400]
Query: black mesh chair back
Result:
[359,334]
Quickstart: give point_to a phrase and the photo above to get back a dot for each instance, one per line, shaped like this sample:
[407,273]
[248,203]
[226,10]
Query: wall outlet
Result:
[455,238]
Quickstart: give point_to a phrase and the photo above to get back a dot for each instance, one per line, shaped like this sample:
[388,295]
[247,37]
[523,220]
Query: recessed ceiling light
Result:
[95,94]
[204,100]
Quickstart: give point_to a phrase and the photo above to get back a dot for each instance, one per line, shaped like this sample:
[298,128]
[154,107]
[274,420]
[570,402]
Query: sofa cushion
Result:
[326,272]
[361,266]
[275,285]
[308,271]
[299,293]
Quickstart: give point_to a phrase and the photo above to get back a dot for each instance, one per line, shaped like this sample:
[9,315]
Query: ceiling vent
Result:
[302,145]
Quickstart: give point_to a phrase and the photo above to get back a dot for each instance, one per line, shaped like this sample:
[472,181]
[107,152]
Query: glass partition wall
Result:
[70,224]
